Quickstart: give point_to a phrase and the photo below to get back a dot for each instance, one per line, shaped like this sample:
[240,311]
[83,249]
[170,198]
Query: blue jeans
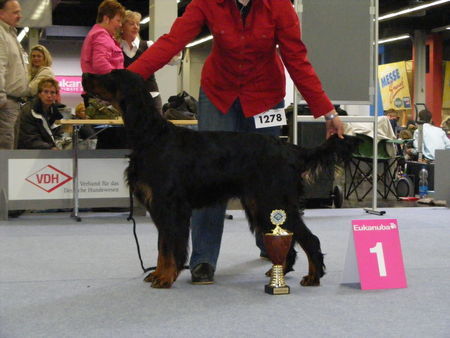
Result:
[207,223]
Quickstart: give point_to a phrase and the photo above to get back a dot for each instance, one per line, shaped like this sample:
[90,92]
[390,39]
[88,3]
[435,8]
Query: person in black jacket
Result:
[37,128]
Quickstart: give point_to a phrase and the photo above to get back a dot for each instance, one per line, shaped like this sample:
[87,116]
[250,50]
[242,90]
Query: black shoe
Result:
[202,274]
[15,213]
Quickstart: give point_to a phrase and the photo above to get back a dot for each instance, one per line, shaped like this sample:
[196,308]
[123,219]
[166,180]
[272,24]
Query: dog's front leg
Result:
[166,272]
[172,249]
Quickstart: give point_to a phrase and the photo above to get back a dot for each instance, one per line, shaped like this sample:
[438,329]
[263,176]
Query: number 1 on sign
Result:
[378,250]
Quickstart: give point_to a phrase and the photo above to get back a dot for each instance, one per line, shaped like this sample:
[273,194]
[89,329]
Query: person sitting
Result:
[86,131]
[37,128]
[433,137]
[39,67]
[445,125]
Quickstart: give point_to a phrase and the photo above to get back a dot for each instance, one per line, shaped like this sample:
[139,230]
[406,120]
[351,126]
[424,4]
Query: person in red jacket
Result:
[241,78]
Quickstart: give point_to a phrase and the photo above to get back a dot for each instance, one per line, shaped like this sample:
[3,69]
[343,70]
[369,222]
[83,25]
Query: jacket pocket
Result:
[263,38]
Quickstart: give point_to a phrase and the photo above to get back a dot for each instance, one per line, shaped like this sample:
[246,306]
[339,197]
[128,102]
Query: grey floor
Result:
[59,278]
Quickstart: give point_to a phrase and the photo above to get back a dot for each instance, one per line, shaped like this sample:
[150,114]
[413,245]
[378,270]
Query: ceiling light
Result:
[40,9]
[412,9]
[22,34]
[395,38]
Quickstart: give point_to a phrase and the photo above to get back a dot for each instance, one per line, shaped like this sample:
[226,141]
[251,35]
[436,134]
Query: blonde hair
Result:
[79,107]
[131,16]
[47,60]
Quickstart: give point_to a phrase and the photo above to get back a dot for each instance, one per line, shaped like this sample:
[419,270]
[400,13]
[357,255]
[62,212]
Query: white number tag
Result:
[270,118]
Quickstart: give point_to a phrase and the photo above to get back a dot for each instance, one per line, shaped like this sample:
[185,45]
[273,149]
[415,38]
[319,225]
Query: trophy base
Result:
[280,290]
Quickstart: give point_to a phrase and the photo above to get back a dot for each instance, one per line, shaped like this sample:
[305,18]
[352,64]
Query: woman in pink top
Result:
[101,53]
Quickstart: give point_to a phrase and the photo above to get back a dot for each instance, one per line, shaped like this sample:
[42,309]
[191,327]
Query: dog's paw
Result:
[162,283]
[150,277]
[310,280]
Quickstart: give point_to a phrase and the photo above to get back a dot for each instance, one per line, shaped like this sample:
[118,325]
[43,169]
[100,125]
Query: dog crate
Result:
[322,192]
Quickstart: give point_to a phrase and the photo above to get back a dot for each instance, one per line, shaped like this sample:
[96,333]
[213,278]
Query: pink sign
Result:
[70,84]
[379,254]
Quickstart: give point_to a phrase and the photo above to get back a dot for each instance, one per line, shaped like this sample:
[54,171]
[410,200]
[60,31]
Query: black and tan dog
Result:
[173,170]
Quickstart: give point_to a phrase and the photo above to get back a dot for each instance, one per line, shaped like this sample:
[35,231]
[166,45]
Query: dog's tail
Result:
[325,157]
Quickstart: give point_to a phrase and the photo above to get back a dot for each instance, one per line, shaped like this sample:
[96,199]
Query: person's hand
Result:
[335,125]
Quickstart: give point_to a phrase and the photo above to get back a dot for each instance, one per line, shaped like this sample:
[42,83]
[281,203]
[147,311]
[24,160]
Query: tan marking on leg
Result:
[166,273]
[144,193]
[155,274]
[311,278]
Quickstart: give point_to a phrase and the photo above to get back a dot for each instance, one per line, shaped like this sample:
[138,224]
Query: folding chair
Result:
[360,169]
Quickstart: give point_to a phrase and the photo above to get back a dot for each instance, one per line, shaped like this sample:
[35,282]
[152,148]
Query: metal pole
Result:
[76,129]
[375,98]
[299,9]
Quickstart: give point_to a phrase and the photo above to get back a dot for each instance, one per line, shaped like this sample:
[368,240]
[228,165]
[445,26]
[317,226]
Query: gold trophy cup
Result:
[277,244]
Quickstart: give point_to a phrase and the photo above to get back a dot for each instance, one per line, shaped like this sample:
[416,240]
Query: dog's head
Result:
[120,87]
[115,87]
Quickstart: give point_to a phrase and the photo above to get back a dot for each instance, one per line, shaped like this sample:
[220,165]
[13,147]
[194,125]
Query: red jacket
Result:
[244,61]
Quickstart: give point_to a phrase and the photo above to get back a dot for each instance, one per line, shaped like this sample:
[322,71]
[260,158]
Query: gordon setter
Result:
[173,170]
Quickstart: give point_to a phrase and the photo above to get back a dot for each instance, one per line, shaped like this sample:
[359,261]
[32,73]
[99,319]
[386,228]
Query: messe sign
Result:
[394,86]
[374,255]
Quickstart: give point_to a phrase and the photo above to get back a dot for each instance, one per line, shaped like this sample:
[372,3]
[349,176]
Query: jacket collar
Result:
[266,2]
[8,27]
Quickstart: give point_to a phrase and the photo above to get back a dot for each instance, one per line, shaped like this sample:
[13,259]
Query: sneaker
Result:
[202,274]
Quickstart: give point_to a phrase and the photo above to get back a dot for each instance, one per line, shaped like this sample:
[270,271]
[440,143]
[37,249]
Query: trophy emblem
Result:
[277,243]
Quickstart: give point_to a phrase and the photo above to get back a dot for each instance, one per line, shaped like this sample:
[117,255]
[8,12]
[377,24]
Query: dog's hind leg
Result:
[311,245]
[173,235]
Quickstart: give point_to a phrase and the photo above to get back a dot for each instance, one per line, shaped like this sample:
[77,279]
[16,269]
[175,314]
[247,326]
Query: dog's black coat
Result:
[173,170]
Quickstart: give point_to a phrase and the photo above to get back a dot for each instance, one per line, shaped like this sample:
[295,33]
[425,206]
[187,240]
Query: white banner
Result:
[45,179]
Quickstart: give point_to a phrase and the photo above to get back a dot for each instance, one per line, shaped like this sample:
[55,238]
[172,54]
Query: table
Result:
[77,124]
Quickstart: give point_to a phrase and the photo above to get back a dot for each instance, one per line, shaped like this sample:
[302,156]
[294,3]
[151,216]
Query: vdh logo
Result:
[48,178]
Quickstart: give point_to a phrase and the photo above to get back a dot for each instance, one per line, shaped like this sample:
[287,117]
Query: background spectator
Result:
[101,53]
[37,128]
[39,67]
[86,131]
[13,74]
[133,47]
[433,137]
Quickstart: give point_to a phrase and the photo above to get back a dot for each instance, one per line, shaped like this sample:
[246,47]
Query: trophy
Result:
[277,243]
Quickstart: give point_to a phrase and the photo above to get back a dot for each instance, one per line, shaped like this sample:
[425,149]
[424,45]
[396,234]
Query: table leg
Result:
[75,134]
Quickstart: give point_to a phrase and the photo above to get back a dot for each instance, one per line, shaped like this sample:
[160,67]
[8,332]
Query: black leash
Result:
[130,217]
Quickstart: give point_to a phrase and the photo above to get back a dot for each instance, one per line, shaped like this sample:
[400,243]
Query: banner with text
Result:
[69,84]
[446,91]
[46,179]
[374,255]
[393,81]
